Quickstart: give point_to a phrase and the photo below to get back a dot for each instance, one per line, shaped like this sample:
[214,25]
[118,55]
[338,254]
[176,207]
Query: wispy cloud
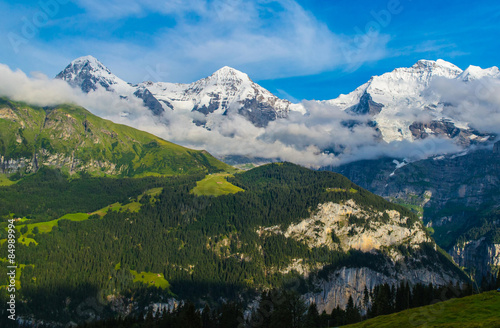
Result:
[267,39]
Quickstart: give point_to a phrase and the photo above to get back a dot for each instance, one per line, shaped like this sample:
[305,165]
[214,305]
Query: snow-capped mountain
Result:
[227,90]
[400,105]
[89,74]
[475,73]
[398,101]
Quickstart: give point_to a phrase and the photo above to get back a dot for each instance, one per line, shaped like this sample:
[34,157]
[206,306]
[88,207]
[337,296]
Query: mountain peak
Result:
[431,64]
[88,58]
[227,73]
[88,62]
[475,72]
[87,73]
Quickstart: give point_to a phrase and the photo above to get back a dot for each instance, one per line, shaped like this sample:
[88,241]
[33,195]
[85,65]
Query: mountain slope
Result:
[225,91]
[404,106]
[72,138]
[318,229]
[89,74]
[408,104]
[472,311]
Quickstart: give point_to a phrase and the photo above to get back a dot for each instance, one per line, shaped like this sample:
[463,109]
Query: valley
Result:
[123,222]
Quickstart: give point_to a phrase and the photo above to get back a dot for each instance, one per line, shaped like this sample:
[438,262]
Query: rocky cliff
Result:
[453,194]
[396,249]
[479,255]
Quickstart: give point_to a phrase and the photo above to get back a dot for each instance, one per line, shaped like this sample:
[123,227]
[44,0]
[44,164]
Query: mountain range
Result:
[71,138]
[226,90]
[133,222]
[400,105]
[408,104]
[457,196]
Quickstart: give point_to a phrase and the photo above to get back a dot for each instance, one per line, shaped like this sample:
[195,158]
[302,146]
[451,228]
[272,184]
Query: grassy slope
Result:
[215,185]
[150,279]
[4,180]
[74,132]
[473,311]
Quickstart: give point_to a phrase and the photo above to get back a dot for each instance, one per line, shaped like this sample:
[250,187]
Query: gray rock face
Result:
[379,239]
[336,289]
[463,137]
[260,114]
[57,160]
[478,254]
[150,101]
[366,105]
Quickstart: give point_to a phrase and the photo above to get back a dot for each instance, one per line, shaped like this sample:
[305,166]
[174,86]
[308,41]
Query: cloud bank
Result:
[476,102]
[322,137]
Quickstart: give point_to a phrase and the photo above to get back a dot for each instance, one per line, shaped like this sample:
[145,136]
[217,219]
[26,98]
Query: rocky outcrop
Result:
[356,228]
[345,282]
[366,106]
[496,148]
[398,250]
[465,137]
[61,161]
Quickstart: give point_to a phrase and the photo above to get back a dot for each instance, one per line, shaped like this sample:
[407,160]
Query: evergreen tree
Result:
[188,317]
[366,298]
[352,314]
[231,315]
[382,300]
[312,319]
[338,317]
[289,312]
[207,320]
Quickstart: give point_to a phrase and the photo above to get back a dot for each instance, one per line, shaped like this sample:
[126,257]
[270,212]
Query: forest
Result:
[206,248]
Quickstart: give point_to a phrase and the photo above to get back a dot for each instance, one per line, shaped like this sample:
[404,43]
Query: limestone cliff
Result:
[396,249]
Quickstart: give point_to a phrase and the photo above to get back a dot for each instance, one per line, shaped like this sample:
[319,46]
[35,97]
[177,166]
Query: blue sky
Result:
[303,49]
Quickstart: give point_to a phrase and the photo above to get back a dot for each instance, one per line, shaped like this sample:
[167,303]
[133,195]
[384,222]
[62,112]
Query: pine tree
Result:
[366,298]
[312,317]
[352,312]
[206,317]
[498,279]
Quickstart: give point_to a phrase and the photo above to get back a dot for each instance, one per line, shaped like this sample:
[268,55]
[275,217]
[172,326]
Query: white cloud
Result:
[300,138]
[42,91]
[476,102]
[267,39]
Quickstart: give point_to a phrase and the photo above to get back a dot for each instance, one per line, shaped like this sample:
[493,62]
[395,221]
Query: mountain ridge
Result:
[227,89]
[399,95]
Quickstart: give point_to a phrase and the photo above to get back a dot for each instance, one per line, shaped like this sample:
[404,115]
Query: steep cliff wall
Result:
[394,248]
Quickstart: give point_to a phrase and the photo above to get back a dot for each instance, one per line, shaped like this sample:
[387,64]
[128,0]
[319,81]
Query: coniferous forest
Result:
[199,249]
